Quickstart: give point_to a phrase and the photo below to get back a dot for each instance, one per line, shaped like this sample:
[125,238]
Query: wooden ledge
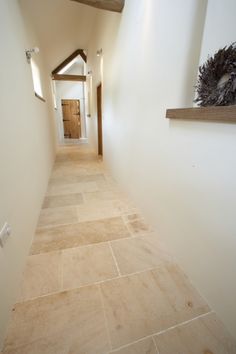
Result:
[216,113]
[62,77]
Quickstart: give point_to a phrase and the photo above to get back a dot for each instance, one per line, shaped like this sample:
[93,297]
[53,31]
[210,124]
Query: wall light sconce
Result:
[99,52]
[29,53]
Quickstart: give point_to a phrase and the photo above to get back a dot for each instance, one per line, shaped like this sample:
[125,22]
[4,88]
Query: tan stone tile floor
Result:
[98,281]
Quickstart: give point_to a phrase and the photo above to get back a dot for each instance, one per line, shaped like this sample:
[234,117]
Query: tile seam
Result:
[154,342]
[114,259]
[95,283]
[105,317]
[91,244]
[184,323]
[151,336]
[52,226]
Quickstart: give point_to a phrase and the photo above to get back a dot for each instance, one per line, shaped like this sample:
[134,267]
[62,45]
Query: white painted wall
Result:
[103,37]
[27,147]
[70,90]
[220,27]
[181,173]
[62,26]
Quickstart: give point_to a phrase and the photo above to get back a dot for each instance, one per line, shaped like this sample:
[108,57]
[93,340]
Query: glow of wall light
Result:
[147,18]
[89,95]
[54,93]
[101,68]
[36,78]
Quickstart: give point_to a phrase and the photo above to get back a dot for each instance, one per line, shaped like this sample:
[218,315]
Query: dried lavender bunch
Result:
[216,85]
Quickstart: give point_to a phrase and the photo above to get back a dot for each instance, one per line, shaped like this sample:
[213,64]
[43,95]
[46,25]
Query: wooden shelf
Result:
[216,113]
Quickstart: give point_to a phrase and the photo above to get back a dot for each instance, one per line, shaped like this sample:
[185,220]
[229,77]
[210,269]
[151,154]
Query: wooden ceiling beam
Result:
[110,5]
[83,55]
[61,77]
[69,59]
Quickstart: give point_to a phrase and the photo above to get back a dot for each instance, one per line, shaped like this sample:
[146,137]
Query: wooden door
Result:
[71,118]
[99,113]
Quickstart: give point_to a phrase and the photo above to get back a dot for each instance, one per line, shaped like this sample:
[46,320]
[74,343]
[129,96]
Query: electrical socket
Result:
[4,234]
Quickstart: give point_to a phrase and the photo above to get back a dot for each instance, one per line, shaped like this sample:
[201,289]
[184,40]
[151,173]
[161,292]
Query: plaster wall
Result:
[181,173]
[27,150]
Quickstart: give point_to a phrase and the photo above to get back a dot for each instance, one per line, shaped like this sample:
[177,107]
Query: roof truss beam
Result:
[61,77]
[69,59]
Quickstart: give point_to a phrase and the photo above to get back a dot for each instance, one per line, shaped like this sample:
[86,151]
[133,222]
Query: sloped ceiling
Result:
[61,27]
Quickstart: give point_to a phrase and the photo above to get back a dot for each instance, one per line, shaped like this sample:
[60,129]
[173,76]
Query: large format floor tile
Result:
[148,302]
[139,253]
[70,188]
[57,216]
[138,226]
[42,275]
[87,265]
[102,195]
[97,210]
[98,281]
[76,178]
[68,322]
[63,200]
[61,171]
[204,335]
[124,206]
[79,234]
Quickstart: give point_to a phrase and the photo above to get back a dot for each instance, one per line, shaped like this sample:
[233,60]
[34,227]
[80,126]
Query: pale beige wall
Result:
[27,148]
[104,36]
[62,26]
[220,30]
[220,27]
[182,174]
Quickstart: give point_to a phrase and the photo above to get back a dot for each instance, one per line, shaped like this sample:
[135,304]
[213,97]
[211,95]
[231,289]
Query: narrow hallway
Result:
[97,280]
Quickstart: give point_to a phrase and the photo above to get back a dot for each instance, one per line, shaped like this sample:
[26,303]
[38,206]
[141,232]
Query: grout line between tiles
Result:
[157,350]
[114,259]
[99,283]
[105,317]
[183,323]
[51,226]
[131,236]
[159,333]
[132,343]
[62,269]
[95,283]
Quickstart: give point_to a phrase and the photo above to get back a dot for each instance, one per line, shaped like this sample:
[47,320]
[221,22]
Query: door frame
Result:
[99,119]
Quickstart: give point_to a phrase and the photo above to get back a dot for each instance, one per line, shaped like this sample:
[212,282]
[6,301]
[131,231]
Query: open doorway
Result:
[69,80]
[71,118]
[99,117]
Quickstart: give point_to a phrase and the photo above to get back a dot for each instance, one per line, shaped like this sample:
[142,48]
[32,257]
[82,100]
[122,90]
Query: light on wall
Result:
[29,53]
[99,52]
[89,93]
